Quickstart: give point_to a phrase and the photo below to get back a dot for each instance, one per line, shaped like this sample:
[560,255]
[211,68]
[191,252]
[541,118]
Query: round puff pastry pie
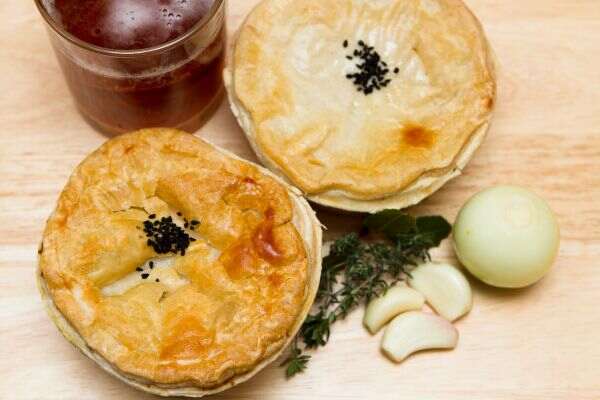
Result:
[177,267]
[363,104]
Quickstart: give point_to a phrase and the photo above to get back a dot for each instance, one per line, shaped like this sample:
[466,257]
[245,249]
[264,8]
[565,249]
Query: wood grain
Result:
[537,343]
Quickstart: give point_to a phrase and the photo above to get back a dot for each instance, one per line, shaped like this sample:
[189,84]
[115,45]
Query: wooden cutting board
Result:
[538,343]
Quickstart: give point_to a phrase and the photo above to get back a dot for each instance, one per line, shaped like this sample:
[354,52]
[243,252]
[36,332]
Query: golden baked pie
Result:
[363,105]
[177,267]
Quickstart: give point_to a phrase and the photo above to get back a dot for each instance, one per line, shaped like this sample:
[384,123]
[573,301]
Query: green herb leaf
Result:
[315,330]
[390,222]
[296,362]
[433,229]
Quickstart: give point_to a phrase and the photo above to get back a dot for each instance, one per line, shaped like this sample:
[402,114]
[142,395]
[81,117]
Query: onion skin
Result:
[507,237]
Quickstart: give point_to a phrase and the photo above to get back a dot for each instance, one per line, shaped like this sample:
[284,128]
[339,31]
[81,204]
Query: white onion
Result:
[507,237]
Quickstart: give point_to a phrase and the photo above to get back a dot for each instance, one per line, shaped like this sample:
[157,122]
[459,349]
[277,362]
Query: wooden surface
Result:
[539,343]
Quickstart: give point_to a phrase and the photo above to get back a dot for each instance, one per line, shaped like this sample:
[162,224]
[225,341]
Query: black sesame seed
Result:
[151,264]
[152,216]
[396,70]
[157,280]
[138,269]
[345,43]
[372,71]
[194,222]
[145,276]
[164,236]
[179,214]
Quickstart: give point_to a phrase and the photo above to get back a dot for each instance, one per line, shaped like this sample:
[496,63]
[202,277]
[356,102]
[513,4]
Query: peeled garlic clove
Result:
[415,331]
[445,288]
[396,300]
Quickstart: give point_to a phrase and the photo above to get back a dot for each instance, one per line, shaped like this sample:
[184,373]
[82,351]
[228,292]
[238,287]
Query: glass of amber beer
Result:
[131,64]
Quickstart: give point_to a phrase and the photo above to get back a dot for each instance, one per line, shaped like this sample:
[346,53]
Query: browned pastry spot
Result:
[418,136]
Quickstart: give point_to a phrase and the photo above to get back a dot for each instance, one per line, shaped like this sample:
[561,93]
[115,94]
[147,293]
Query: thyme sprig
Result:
[357,270]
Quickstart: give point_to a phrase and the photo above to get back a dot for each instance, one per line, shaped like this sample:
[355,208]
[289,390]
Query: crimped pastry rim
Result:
[304,219]
[415,192]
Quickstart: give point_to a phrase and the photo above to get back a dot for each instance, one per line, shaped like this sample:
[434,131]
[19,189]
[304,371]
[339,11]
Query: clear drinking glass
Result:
[176,84]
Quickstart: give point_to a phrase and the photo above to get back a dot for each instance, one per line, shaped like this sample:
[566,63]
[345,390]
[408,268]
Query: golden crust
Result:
[201,322]
[287,86]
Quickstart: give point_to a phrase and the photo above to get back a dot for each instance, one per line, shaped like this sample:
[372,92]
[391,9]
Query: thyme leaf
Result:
[296,362]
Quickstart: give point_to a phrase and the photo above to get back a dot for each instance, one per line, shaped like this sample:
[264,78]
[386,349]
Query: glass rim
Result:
[128,53]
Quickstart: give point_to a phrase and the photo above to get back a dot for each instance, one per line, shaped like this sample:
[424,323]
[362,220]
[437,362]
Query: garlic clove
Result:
[414,331]
[396,300]
[445,288]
